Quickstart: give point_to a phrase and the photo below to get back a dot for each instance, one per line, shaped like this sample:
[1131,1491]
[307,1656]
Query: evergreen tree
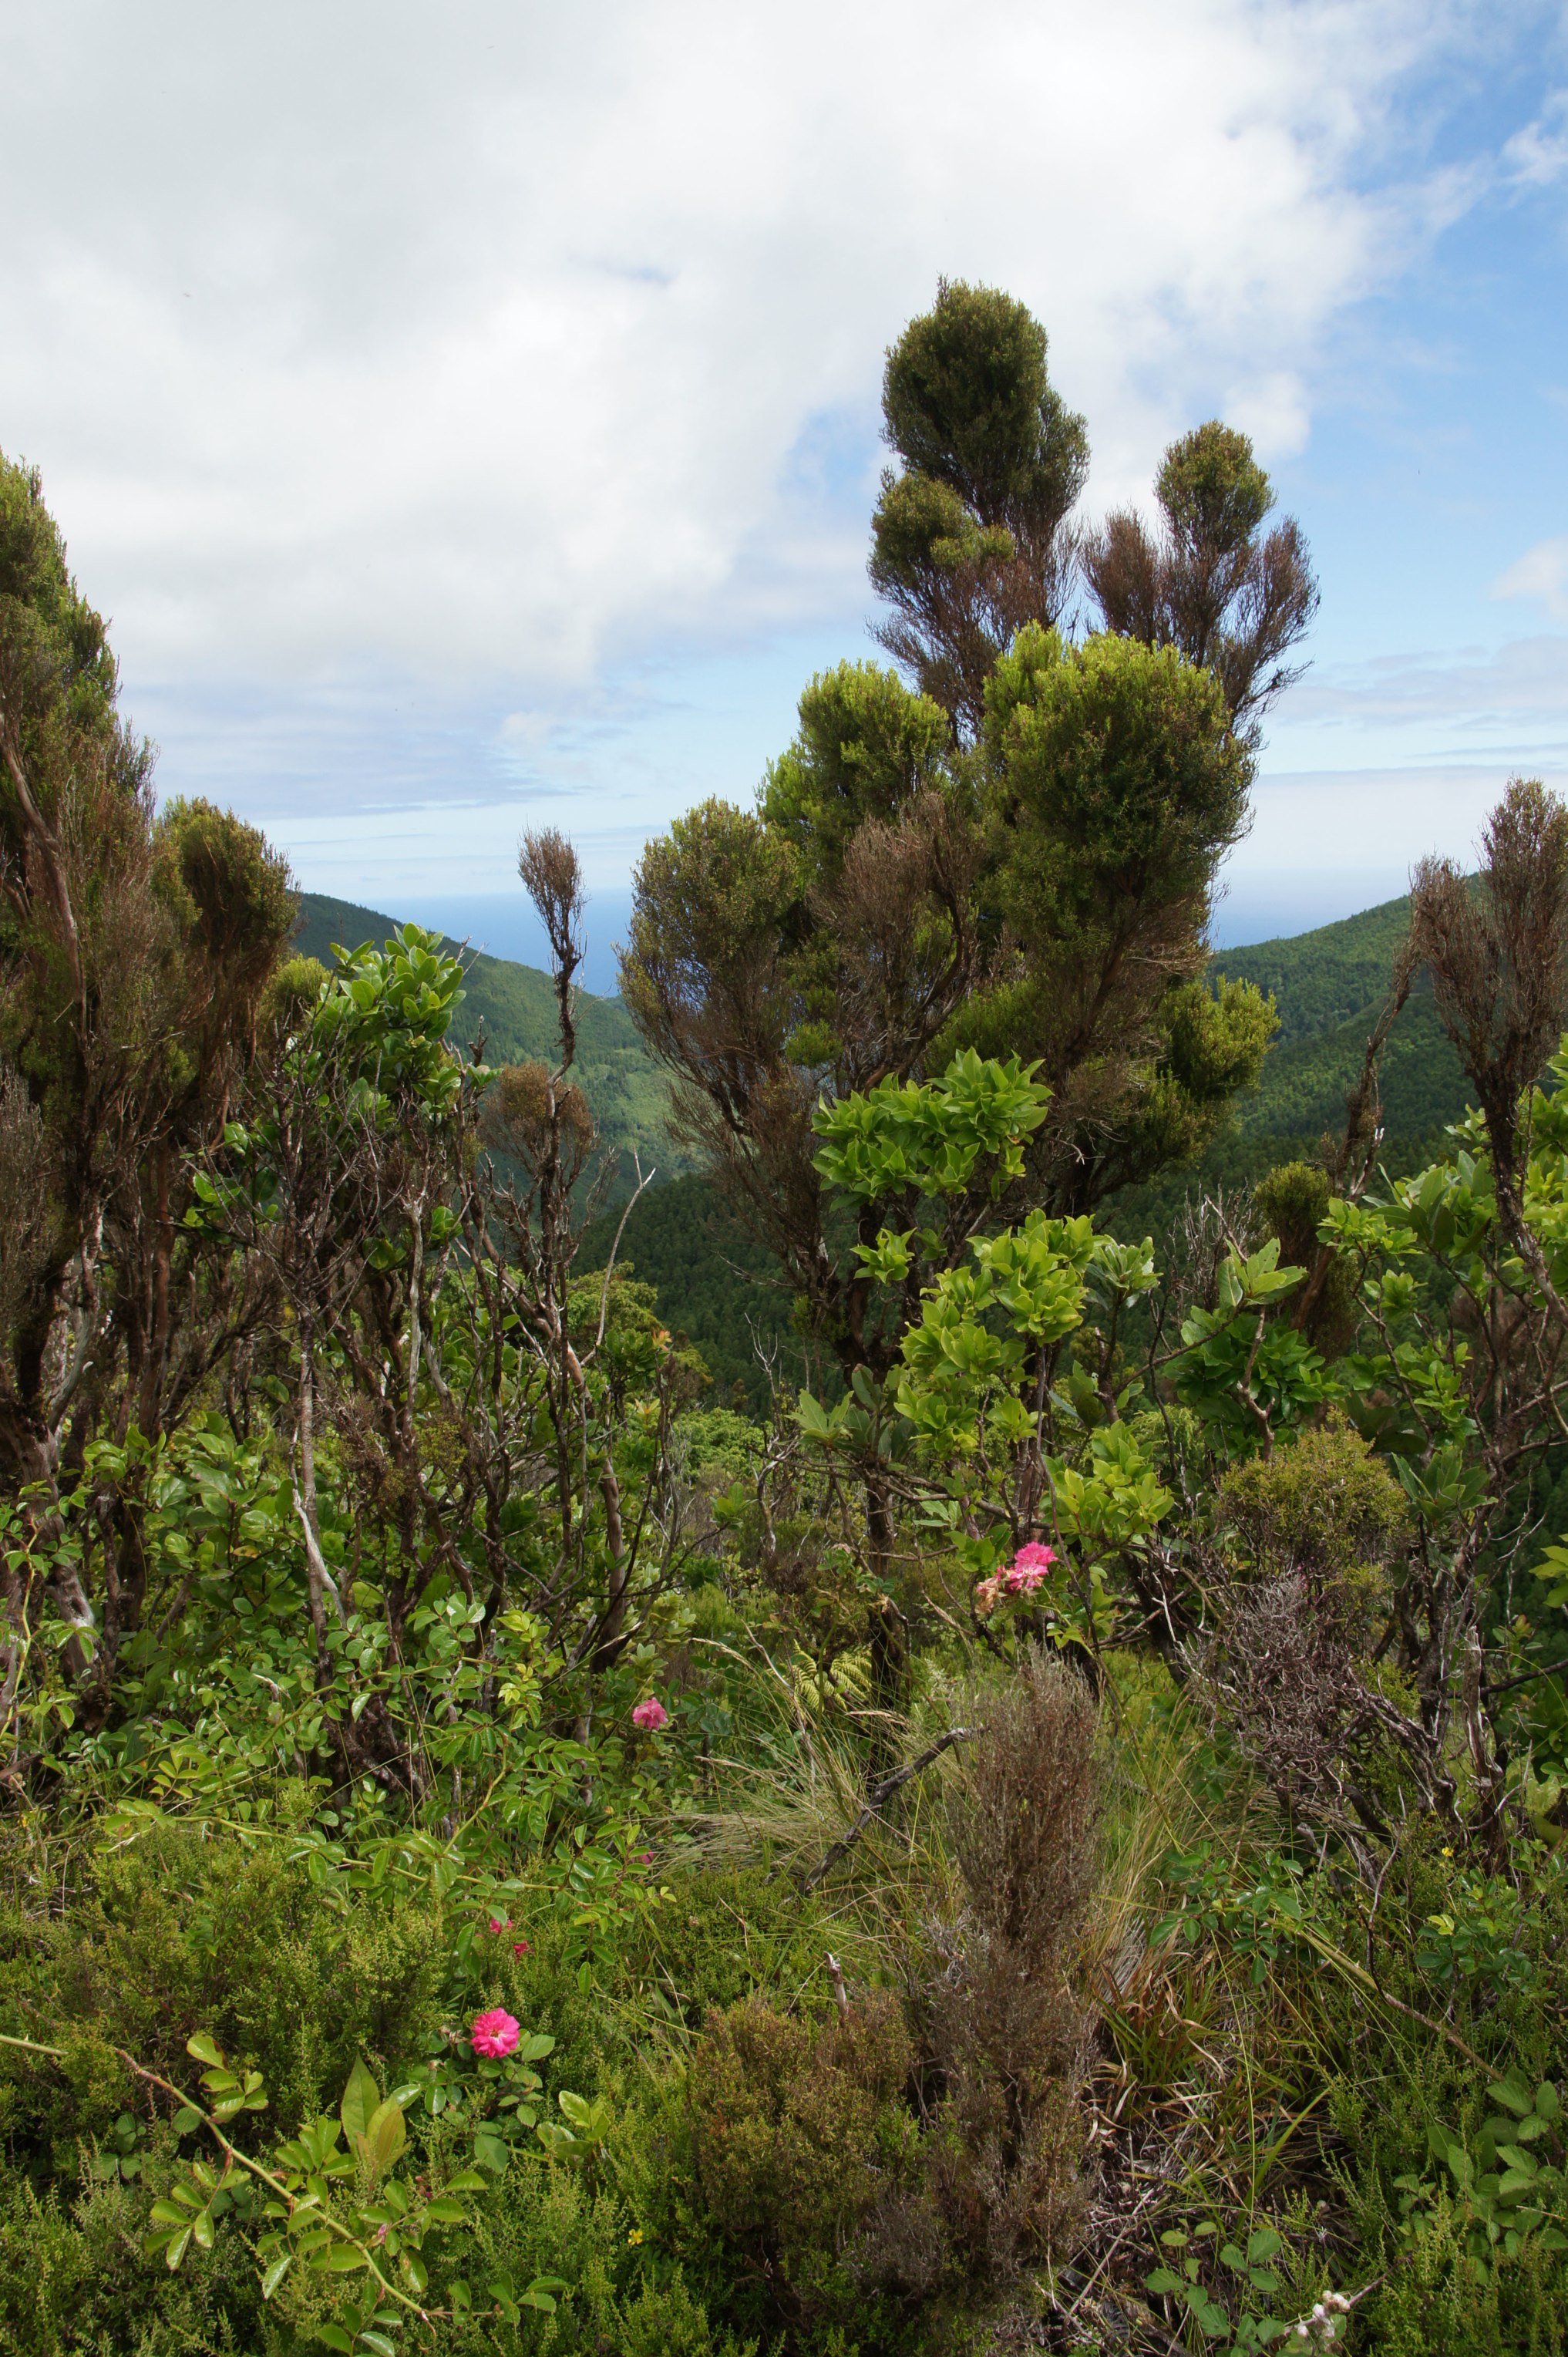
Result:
[1210,582]
[970,540]
[134,951]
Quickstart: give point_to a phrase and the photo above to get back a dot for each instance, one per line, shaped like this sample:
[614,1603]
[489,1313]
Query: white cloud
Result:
[1538,154]
[1541,572]
[1506,704]
[500,342]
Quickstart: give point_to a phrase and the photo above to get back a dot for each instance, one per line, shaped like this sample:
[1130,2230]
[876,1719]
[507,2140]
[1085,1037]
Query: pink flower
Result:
[494,2033]
[1030,1566]
[501,1923]
[521,1947]
[651,1716]
[645,1858]
[987,1594]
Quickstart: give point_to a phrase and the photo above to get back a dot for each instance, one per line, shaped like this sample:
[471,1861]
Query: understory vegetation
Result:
[1040,1828]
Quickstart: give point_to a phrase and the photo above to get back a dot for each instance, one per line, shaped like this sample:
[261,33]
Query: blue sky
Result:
[468,415]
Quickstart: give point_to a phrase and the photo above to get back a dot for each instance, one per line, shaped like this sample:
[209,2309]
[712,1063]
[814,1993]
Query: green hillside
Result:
[719,1286]
[1322,978]
[1329,986]
[515,1005]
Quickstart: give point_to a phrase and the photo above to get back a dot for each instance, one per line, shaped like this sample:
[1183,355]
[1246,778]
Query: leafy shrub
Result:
[1291,1201]
[179,1933]
[1323,1506]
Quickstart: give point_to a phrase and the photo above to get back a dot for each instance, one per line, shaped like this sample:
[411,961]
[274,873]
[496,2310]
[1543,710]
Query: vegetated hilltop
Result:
[516,1006]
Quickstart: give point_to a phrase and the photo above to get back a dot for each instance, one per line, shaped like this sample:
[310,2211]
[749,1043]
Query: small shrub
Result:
[1323,1508]
[180,1933]
[1290,1201]
[793,2128]
[1008,2034]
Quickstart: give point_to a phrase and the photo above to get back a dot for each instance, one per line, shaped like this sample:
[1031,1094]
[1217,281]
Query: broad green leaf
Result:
[343,2258]
[362,2097]
[445,2213]
[386,2134]
[335,2338]
[275,2274]
[205,2049]
[175,2250]
[1512,2097]
[1164,2281]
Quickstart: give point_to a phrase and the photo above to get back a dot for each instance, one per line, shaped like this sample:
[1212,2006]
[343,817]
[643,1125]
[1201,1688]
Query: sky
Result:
[468,415]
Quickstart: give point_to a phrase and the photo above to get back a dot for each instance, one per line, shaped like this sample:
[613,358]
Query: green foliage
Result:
[176,1935]
[790,2121]
[930,1140]
[967,403]
[1212,489]
[514,1005]
[968,542]
[867,750]
[1053,1836]
[717,1283]
[1326,1506]
[1124,776]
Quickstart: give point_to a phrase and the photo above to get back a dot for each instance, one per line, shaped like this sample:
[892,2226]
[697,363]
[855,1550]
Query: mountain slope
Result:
[515,1006]
[1329,986]
[719,1286]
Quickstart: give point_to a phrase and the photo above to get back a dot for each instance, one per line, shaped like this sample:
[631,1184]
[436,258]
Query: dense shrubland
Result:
[1052,1838]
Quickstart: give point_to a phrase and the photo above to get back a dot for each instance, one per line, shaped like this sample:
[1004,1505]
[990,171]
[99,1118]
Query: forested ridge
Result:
[1328,985]
[718,1286]
[1019,1805]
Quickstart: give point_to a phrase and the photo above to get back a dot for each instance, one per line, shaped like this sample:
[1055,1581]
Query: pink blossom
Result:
[987,1594]
[1030,1566]
[521,1947]
[494,2033]
[645,1858]
[501,1923]
[651,1716]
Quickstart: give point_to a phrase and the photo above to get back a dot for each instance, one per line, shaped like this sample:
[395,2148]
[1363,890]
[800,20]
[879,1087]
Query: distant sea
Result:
[1269,904]
[1260,906]
[505,926]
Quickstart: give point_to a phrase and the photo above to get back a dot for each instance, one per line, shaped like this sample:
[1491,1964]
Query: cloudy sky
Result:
[469,413]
